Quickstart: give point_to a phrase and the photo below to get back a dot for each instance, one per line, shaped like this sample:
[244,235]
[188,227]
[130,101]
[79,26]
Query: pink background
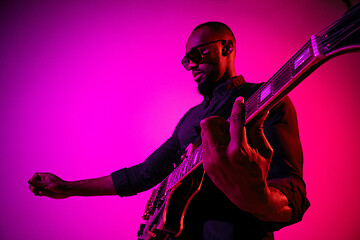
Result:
[88,87]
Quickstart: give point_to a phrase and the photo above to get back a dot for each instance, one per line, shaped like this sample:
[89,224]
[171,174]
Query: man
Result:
[250,190]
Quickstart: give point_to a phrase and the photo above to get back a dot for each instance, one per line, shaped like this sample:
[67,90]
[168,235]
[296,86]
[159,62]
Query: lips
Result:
[196,75]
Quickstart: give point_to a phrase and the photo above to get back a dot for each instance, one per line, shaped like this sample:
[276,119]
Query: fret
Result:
[197,156]
[190,159]
[284,78]
[183,170]
[170,179]
[177,174]
[280,79]
[251,105]
[188,166]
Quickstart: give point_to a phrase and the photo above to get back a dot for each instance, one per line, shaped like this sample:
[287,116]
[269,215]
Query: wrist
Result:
[69,188]
[258,200]
[261,204]
[275,207]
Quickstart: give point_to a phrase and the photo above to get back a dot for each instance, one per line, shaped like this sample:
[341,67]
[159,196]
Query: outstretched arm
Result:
[50,185]
[240,170]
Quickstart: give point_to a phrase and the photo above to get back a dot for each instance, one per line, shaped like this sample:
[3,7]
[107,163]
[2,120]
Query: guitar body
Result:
[166,213]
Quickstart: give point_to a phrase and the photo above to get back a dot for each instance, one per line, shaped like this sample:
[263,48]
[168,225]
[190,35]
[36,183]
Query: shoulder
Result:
[285,110]
[246,90]
[192,111]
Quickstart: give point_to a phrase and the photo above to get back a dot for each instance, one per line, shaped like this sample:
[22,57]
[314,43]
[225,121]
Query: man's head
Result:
[210,55]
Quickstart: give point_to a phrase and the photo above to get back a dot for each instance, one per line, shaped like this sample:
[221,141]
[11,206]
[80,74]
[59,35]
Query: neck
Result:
[230,73]
[211,88]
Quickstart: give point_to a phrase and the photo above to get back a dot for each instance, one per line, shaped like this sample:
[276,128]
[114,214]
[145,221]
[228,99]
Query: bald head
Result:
[212,31]
[218,29]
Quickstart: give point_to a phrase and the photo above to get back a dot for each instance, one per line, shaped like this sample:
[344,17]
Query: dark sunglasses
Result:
[195,55]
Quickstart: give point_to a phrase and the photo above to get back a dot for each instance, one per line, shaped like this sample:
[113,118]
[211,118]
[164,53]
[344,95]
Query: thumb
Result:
[39,180]
[215,131]
[258,139]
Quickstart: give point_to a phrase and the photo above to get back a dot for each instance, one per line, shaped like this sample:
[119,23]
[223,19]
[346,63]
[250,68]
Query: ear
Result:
[228,47]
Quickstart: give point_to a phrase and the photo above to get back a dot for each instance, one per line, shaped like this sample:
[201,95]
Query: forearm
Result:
[91,187]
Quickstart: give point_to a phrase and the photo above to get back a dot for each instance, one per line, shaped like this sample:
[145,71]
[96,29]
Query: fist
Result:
[48,184]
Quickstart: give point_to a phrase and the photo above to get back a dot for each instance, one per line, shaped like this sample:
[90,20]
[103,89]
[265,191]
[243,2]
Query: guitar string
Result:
[253,100]
[337,37]
[338,32]
[281,71]
[345,18]
[279,75]
[187,160]
[177,170]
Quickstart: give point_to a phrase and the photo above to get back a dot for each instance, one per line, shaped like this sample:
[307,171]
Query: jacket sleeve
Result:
[141,177]
[286,168]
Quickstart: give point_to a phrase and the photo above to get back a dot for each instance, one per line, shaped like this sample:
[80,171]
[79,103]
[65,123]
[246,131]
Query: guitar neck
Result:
[284,80]
[340,37]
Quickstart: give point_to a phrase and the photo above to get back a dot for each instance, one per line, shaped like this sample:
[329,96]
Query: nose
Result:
[193,65]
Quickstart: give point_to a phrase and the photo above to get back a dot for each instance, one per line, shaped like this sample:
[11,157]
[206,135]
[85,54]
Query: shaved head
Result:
[219,30]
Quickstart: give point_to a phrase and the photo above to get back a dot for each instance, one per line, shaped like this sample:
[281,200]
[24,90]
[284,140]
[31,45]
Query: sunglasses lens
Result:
[185,62]
[194,55]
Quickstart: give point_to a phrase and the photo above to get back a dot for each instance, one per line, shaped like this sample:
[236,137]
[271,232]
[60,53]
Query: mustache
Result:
[196,72]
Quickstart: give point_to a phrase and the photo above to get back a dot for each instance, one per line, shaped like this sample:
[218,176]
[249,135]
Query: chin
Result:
[204,89]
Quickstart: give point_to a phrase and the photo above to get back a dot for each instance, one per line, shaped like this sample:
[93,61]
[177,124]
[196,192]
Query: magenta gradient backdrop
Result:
[88,87]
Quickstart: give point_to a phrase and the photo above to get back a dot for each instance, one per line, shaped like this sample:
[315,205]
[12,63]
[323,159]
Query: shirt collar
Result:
[229,84]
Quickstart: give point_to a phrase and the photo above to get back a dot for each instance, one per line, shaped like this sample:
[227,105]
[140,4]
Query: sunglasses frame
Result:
[195,55]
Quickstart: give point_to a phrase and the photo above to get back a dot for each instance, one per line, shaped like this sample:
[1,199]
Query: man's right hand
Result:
[48,184]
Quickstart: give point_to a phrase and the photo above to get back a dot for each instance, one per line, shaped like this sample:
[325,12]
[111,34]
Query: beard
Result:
[205,88]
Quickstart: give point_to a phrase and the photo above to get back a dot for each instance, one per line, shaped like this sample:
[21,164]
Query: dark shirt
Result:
[211,206]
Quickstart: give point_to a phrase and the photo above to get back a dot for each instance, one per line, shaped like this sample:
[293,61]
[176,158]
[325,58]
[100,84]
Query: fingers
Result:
[37,191]
[189,149]
[36,180]
[46,184]
[256,134]
[214,131]
[257,137]
[215,139]
[237,124]
[37,183]
[42,192]
[39,180]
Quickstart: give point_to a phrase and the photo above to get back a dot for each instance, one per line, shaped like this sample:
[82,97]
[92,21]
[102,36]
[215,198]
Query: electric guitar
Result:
[165,210]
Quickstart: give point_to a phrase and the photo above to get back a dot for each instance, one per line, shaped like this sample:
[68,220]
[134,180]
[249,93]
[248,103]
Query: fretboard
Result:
[284,80]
